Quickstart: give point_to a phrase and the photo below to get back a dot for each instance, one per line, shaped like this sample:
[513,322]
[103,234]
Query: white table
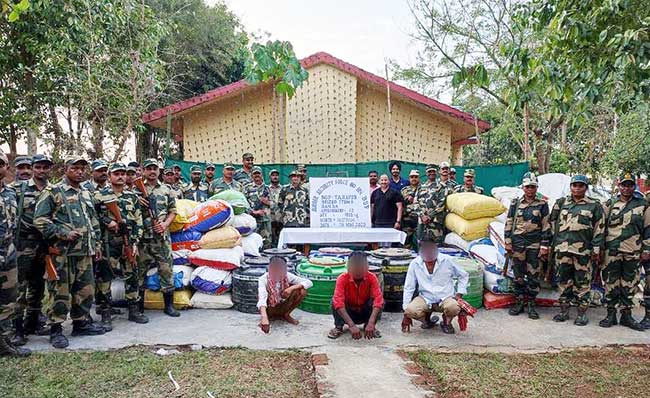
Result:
[307,236]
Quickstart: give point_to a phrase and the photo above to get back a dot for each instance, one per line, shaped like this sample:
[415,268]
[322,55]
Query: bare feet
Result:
[291,320]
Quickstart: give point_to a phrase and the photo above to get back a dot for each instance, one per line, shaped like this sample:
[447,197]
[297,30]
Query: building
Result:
[341,114]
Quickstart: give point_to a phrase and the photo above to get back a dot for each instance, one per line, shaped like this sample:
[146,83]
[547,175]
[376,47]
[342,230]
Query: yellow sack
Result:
[154,300]
[221,238]
[184,208]
[468,229]
[470,205]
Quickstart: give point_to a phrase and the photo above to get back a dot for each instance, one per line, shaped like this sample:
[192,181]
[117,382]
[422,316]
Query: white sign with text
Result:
[338,202]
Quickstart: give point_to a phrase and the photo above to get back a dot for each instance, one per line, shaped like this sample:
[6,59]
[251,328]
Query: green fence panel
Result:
[487,177]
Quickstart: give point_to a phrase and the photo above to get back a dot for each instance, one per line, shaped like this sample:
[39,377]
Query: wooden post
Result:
[169,132]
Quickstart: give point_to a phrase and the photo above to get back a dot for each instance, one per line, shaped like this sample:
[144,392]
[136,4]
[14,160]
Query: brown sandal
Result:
[335,333]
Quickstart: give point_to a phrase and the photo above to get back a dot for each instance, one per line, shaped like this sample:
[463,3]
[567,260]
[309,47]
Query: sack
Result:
[211,281]
[453,239]
[184,209]
[252,244]
[211,302]
[496,230]
[152,280]
[185,240]
[470,205]
[468,229]
[235,199]
[226,259]
[181,257]
[496,283]
[209,215]
[244,223]
[155,301]
[224,237]
[185,271]
[492,301]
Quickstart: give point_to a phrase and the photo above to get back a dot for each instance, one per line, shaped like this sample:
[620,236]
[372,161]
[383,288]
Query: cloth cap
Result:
[42,159]
[228,165]
[430,167]
[529,179]
[273,171]
[247,155]
[130,168]
[469,173]
[414,173]
[580,178]
[98,164]
[210,165]
[444,164]
[168,170]
[74,160]
[256,169]
[627,176]
[196,169]
[133,164]
[176,166]
[20,160]
[150,162]
[294,173]
[452,170]
[118,166]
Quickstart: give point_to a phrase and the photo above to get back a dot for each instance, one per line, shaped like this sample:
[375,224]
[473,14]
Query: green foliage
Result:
[276,61]
[630,149]
[14,10]
[560,163]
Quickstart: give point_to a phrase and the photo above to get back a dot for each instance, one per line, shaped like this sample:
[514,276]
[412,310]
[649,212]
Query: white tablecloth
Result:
[290,236]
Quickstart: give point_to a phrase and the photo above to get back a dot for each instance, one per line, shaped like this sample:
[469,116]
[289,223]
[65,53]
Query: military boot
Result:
[19,334]
[629,321]
[610,319]
[35,325]
[7,349]
[564,313]
[86,328]
[582,319]
[169,304]
[141,301]
[646,320]
[134,313]
[532,314]
[518,307]
[57,339]
[107,319]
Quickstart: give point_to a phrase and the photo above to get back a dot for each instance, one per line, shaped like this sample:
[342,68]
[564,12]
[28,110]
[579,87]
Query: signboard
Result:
[338,202]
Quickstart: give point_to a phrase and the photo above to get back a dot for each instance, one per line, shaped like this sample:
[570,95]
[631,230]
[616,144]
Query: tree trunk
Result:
[526,132]
[58,141]
[97,139]
[126,133]
[13,138]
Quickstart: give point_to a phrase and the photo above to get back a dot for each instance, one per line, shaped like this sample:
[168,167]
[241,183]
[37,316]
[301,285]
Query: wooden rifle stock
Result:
[139,183]
[114,209]
[51,273]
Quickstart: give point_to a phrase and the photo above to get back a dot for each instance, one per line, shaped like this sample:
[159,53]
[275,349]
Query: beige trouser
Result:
[419,310]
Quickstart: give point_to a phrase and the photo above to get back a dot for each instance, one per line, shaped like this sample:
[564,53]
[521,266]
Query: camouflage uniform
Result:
[627,236]
[294,206]
[254,193]
[242,176]
[432,204]
[578,231]
[8,266]
[176,190]
[410,217]
[128,204]
[462,188]
[59,209]
[91,186]
[276,214]
[155,249]
[527,229]
[219,185]
[197,193]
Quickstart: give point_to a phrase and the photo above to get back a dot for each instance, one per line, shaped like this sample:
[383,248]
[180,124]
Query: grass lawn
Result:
[138,372]
[584,373]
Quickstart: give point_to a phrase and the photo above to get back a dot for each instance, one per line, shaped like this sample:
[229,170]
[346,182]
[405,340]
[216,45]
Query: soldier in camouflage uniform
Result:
[179,182]
[131,175]
[99,176]
[169,177]
[196,190]
[114,233]
[293,202]
[243,175]
[431,181]
[469,185]
[155,246]
[259,197]
[304,179]
[627,241]
[209,174]
[31,249]
[226,182]
[276,214]
[411,209]
[65,215]
[23,165]
[527,234]
[578,226]
[432,206]
[8,268]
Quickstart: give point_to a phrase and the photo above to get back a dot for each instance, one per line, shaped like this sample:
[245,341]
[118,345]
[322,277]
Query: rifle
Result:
[123,230]
[51,273]
[153,214]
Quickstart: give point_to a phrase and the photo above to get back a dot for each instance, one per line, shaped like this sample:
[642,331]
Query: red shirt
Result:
[354,295]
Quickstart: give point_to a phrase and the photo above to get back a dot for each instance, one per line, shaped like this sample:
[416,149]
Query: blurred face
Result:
[431,175]
[130,176]
[248,162]
[209,172]
[383,181]
[76,173]
[530,191]
[118,178]
[452,174]
[414,180]
[357,268]
[444,171]
[428,251]
[277,270]
[626,188]
[151,172]
[395,170]
[469,180]
[295,180]
[228,172]
[275,178]
[177,172]
[41,170]
[24,172]
[3,170]
[195,177]
[373,178]
[257,178]
[100,176]
[139,172]
[578,189]
[169,178]
[303,172]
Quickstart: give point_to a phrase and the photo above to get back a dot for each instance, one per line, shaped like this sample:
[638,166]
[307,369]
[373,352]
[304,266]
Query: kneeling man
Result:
[279,292]
[357,300]
[434,275]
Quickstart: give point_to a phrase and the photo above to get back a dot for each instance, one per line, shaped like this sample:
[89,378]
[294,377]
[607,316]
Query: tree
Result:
[13,10]
[630,147]
[276,61]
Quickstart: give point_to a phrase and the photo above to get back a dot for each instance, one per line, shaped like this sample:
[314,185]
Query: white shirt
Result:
[434,287]
[263,294]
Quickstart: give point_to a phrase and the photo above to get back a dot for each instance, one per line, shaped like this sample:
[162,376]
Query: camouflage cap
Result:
[294,173]
[627,176]
[469,173]
[256,170]
[430,167]
[452,170]
[75,159]
[210,166]
[168,170]
[98,164]
[247,155]
[133,164]
[301,167]
[228,165]
[150,162]
[38,158]
[4,158]
[414,173]
[444,164]
[131,169]
[529,179]
[20,160]
[274,171]
[581,178]
[196,169]
[117,166]
[176,166]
